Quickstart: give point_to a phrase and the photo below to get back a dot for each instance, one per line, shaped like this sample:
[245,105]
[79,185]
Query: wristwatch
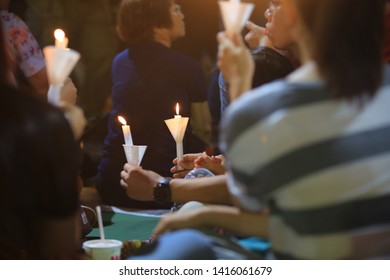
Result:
[162,191]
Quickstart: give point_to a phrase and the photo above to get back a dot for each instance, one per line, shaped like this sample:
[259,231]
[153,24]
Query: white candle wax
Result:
[126,131]
[127,135]
[179,155]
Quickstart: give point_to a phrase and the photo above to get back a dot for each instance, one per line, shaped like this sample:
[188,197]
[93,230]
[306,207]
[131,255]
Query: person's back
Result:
[327,179]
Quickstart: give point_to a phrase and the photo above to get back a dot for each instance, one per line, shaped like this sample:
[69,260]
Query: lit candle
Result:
[177,126]
[61,39]
[126,131]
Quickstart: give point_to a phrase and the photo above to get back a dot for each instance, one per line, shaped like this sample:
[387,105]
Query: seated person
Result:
[149,78]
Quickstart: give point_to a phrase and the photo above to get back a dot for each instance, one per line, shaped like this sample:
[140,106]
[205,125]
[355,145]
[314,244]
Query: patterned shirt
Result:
[24,50]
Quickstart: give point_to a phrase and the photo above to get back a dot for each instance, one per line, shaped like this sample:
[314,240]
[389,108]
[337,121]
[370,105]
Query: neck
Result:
[306,73]
[161,36]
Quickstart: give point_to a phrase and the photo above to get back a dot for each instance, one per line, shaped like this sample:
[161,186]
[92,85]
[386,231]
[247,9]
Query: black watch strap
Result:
[162,191]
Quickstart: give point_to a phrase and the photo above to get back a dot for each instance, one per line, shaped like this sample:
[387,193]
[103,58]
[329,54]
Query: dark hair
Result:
[269,65]
[137,18]
[348,38]
[38,171]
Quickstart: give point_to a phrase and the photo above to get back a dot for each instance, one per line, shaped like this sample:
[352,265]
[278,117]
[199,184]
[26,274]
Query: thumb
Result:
[249,25]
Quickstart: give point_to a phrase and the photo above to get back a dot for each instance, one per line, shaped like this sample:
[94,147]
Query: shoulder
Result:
[11,20]
[277,95]
[259,101]
[121,57]
[121,63]
[269,66]
[262,102]
[182,60]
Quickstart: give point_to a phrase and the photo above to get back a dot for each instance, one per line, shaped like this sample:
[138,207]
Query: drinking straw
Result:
[100,222]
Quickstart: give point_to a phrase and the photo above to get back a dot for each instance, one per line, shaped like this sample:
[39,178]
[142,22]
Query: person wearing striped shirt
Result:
[314,149]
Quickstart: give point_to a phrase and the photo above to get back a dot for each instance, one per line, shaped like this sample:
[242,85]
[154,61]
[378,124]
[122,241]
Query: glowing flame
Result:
[122,120]
[177,109]
[59,34]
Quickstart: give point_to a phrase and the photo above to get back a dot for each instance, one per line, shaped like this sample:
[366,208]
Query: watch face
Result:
[162,193]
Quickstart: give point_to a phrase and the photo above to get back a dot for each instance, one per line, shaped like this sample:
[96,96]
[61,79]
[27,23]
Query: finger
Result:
[181,174]
[124,174]
[249,25]
[160,228]
[199,160]
[237,40]
[123,184]
[173,169]
[127,167]
[220,36]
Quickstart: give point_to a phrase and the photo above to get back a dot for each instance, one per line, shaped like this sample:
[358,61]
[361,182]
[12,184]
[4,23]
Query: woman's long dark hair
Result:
[348,38]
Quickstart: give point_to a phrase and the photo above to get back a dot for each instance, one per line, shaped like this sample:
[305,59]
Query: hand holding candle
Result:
[60,62]
[177,126]
[126,131]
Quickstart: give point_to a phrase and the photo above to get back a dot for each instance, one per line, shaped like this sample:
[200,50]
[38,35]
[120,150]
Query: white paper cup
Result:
[134,153]
[108,249]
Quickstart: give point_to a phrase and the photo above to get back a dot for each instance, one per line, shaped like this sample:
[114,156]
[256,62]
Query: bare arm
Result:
[226,217]
[207,190]
[139,184]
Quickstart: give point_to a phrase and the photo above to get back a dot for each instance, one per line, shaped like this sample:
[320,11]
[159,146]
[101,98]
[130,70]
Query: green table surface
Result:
[125,227]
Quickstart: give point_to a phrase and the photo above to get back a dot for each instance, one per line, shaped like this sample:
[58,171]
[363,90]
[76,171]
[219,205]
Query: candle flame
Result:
[177,109]
[59,34]
[122,120]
